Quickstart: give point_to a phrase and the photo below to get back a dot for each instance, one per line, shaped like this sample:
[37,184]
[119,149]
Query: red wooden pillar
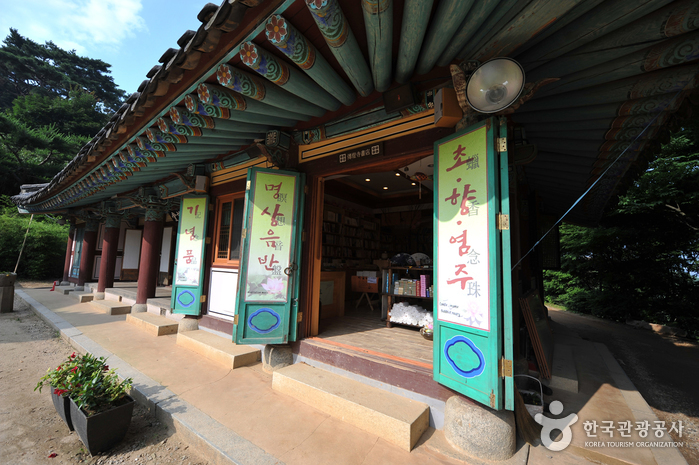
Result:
[69,253]
[87,256]
[109,252]
[150,258]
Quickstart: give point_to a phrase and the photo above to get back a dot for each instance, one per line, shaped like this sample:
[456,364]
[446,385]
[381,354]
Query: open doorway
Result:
[376,266]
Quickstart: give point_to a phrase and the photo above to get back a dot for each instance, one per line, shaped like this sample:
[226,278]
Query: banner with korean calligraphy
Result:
[269,277]
[467,304]
[189,264]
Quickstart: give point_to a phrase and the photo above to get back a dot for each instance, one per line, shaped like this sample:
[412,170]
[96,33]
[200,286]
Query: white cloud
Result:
[74,24]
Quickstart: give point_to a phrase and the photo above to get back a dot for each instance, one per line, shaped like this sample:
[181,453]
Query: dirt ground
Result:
[30,429]
[664,369]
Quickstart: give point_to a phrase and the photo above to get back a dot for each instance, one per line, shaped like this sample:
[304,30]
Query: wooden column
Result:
[150,258]
[87,255]
[69,253]
[109,252]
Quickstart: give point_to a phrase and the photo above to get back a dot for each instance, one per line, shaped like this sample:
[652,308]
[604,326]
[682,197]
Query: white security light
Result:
[495,85]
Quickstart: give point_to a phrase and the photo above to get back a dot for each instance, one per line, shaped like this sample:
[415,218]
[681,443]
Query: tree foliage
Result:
[642,262]
[52,102]
[27,67]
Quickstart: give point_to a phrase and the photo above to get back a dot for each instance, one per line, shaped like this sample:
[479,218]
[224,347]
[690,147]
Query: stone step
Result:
[112,307]
[396,419]
[218,349]
[83,296]
[564,373]
[65,290]
[154,324]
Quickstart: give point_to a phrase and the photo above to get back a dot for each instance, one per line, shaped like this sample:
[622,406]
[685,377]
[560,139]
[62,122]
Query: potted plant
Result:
[99,409]
[57,380]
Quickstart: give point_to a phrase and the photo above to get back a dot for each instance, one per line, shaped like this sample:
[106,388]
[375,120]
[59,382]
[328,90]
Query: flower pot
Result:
[62,406]
[7,292]
[104,430]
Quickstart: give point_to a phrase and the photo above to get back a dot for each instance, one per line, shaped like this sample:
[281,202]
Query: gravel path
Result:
[30,429]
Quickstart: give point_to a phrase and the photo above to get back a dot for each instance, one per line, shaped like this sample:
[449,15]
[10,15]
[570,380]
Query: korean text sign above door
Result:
[270,234]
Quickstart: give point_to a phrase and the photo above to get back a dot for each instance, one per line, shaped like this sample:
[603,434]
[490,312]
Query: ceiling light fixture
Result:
[397,174]
[385,188]
[367,179]
[495,85]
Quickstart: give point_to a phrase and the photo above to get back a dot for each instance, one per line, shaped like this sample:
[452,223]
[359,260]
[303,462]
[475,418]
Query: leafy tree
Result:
[642,262]
[28,67]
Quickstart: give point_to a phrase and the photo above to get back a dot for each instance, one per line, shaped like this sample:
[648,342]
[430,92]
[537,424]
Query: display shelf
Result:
[349,235]
[421,275]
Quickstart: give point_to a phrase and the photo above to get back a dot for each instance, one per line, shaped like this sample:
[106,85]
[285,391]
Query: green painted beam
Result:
[195,105]
[535,17]
[503,13]
[155,135]
[289,40]
[145,144]
[679,50]
[336,31]
[289,79]
[254,87]
[166,124]
[219,96]
[471,24]
[608,17]
[447,19]
[378,21]
[673,20]
[181,116]
[665,81]
[416,17]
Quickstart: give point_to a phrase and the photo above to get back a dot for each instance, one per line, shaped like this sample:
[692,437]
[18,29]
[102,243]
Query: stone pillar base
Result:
[98,295]
[478,431]
[275,357]
[188,323]
[65,283]
[139,308]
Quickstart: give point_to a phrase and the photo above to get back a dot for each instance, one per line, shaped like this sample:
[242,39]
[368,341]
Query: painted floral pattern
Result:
[203,93]
[248,53]
[224,75]
[316,4]
[276,29]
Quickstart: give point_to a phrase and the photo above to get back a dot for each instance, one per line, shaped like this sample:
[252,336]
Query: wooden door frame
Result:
[403,151]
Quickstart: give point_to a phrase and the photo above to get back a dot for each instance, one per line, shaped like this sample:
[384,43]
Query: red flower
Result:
[106,368]
[59,368]
[73,355]
[248,53]
[74,369]
[275,29]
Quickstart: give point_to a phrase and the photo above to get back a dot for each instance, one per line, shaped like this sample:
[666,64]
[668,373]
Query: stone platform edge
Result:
[215,442]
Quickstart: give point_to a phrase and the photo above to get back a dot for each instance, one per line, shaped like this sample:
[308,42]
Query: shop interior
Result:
[376,271]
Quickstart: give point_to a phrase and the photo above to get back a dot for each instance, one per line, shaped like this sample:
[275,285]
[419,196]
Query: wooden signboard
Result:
[189,258]
[268,290]
[539,331]
[469,332]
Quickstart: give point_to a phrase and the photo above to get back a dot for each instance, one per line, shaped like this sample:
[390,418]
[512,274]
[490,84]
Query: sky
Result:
[131,35]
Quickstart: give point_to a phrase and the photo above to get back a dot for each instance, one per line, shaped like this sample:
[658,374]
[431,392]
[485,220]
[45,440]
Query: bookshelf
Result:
[349,236]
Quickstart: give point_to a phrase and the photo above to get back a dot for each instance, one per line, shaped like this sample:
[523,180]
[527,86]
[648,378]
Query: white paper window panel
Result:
[223,292]
[117,267]
[100,237]
[165,250]
[96,267]
[122,235]
[132,249]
